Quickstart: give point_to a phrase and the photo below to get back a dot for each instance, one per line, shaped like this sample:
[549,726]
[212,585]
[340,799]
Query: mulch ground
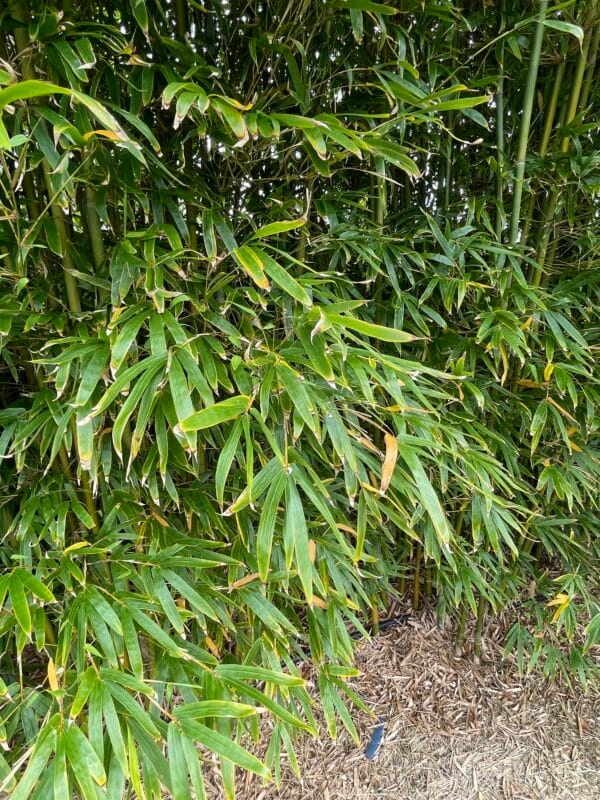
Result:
[454,730]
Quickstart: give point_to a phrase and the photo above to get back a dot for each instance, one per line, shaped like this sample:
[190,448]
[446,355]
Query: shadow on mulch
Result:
[454,731]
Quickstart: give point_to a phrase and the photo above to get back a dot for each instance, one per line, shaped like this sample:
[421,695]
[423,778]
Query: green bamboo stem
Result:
[404,562]
[379,214]
[528,103]
[428,581]
[577,86]
[417,577]
[181,19]
[19,10]
[459,639]
[73,299]
[550,215]
[589,73]
[500,146]
[553,207]
[74,303]
[477,640]
[448,159]
[93,225]
[374,615]
[545,142]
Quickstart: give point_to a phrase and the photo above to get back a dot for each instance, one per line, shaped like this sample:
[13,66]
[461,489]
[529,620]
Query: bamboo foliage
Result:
[269,357]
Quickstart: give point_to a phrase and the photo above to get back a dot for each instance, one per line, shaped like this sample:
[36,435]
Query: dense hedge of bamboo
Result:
[298,313]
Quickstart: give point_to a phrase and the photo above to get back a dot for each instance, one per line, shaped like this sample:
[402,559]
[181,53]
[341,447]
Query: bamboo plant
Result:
[270,357]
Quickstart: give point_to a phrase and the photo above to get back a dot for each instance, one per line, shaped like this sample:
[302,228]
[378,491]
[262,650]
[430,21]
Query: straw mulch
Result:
[454,730]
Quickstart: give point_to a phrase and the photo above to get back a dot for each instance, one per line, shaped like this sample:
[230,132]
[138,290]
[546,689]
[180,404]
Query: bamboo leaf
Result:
[224,747]
[223,411]
[391,456]
[274,228]
[380,332]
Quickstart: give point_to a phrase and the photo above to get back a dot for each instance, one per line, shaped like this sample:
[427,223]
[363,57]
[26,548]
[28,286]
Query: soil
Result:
[453,730]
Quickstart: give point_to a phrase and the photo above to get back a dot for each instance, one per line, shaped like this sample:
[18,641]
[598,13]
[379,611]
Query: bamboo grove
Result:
[298,313]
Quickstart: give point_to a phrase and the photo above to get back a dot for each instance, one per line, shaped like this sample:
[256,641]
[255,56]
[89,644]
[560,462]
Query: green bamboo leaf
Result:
[214,708]
[226,457]
[155,632]
[140,13]
[278,711]
[150,364]
[19,603]
[380,332]
[62,790]
[84,430]
[458,103]
[282,278]
[132,644]
[365,5]
[295,523]
[428,496]
[100,604]
[35,585]
[224,747]
[566,27]
[266,525]
[177,764]
[135,712]
[26,90]
[144,384]
[82,756]
[215,415]
[248,260]
[86,684]
[274,228]
[127,681]
[113,729]
[392,152]
[125,339]
[298,394]
[192,761]
[93,369]
[201,604]
[242,672]
[316,350]
[43,748]
[317,141]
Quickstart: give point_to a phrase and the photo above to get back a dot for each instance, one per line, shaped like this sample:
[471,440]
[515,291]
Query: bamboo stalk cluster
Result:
[298,315]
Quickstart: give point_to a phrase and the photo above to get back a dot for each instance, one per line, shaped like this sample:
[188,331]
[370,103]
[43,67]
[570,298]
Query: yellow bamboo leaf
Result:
[562,410]
[391,456]
[112,135]
[347,529]
[548,371]
[312,550]
[243,581]
[367,443]
[560,599]
[526,324]
[76,546]
[316,601]
[212,647]
[505,363]
[52,677]
[527,384]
